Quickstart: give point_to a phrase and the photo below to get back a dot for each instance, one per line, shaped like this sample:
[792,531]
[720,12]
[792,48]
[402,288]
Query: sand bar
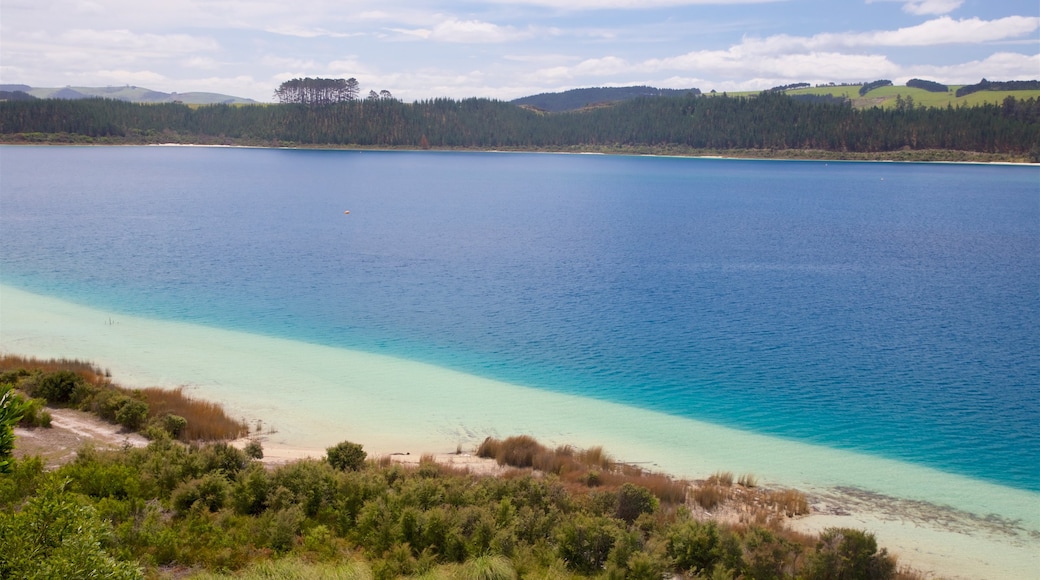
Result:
[314,396]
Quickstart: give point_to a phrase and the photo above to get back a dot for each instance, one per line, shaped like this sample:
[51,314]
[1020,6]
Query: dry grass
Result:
[788,502]
[207,421]
[710,496]
[581,468]
[85,369]
[723,478]
[747,480]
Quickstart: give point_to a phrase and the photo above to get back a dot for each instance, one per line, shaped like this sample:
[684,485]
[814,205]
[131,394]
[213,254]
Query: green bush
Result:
[346,456]
[633,501]
[253,449]
[174,425]
[56,387]
[699,546]
[10,414]
[584,542]
[35,415]
[846,554]
[210,492]
[132,414]
[57,536]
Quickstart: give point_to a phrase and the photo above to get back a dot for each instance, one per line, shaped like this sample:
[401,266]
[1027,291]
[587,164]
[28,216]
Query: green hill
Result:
[885,97]
[575,99]
[128,93]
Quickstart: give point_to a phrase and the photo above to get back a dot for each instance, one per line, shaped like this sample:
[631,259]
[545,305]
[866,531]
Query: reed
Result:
[710,496]
[788,502]
[748,480]
[723,478]
[206,420]
[9,362]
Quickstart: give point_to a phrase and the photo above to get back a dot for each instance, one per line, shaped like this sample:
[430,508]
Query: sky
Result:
[505,49]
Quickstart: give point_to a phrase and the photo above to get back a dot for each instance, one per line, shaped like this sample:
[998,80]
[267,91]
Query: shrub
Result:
[253,449]
[282,527]
[10,414]
[34,415]
[694,546]
[346,456]
[249,492]
[224,458]
[210,492]
[634,501]
[132,414]
[57,387]
[846,554]
[584,542]
[174,425]
[768,556]
[55,536]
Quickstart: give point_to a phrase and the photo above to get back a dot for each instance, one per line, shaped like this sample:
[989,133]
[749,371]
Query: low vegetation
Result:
[179,510]
[76,384]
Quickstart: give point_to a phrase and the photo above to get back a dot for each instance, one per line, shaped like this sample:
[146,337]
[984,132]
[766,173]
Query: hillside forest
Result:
[769,121]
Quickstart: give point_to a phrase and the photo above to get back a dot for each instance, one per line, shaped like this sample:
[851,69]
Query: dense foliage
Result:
[172,507]
[985,85]
[930,86]
[575,99]
[770,121]
[174,510]
[317,91]
[77,385]
[874,85]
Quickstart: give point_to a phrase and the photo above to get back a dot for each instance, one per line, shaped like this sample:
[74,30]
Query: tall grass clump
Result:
[81,385]
[205,420]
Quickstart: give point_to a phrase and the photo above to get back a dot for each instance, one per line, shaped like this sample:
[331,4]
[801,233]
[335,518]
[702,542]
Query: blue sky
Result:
[511,48]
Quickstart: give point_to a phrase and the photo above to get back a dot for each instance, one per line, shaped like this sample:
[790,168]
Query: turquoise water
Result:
[885,308]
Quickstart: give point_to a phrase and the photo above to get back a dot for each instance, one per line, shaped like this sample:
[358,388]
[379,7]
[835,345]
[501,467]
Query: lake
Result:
[887,309]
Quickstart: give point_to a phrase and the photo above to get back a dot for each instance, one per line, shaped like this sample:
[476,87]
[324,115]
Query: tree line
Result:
[769,121]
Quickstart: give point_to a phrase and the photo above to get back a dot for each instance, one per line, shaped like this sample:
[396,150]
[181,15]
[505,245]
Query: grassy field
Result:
[885,97]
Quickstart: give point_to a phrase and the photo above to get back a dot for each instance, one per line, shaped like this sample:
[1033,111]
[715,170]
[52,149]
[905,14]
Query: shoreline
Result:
[935,156]
[314,396]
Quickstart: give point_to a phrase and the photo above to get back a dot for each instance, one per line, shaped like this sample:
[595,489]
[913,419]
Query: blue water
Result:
[887,308]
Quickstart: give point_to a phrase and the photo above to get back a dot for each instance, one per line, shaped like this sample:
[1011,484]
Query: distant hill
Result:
[581,98]
[125,93]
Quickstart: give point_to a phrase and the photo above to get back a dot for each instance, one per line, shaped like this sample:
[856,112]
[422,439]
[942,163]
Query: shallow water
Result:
[888,309]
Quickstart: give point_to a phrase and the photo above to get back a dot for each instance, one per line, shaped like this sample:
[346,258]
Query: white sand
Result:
[315,396]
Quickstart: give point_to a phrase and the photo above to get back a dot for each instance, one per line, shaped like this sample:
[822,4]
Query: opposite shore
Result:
[314,396]
[792,154]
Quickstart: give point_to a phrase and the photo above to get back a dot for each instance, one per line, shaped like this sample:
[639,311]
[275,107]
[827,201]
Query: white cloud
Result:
[628,4]
[307,32]
[946,30]
[925,7]
[467,31]
[940,31]
[1004,66]
[167,44]
[201,63]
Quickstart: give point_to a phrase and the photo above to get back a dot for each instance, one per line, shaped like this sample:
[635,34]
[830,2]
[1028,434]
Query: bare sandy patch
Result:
[70,430]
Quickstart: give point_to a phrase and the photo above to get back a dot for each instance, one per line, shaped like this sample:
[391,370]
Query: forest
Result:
[770,121]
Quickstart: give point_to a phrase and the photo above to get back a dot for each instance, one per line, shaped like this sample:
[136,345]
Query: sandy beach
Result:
[309,397]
